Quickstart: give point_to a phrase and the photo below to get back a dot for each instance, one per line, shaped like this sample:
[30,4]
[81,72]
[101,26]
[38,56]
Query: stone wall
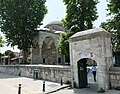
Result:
[47,72]
[114,77]
[94,44]
[46,49]
[53,72]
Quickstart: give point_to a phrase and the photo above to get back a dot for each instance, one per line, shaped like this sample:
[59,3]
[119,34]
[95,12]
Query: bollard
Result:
[61,82]
[19,89]
[43,86]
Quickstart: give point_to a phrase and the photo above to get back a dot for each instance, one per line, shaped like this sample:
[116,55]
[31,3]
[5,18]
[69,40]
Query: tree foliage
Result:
[113,24]
[64,44]
[80,16]
[114,7]
[9,53]
[1,41]
[20,19]
[1,55]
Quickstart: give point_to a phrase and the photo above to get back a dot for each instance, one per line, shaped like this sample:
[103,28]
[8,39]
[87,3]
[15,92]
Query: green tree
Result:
[1,41]
[19,21]
[113,26]
[80,16]
[1,55]
[10,53]
[63,43]
[1,45]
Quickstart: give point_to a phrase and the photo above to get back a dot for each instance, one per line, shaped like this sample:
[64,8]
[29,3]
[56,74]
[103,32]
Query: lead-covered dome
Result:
[55,26]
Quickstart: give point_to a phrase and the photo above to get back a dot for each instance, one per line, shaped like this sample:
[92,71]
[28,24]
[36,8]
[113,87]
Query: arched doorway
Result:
[85,76]
[92,44]
[49,51]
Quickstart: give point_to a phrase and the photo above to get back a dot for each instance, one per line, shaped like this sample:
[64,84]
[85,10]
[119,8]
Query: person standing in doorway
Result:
[94,72]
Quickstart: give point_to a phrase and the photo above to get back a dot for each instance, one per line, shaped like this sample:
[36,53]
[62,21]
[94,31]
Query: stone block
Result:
[118,77]
[111,81]
[114,81]
[112,76]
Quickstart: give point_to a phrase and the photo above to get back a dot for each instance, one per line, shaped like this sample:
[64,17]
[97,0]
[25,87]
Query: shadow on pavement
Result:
[91,89]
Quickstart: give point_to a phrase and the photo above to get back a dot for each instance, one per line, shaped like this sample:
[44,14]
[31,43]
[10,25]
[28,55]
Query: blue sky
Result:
[56,11]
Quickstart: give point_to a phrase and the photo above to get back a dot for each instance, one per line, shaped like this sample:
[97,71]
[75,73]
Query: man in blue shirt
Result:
[94,72]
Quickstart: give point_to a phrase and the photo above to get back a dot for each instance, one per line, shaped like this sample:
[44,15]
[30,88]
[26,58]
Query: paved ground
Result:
[92,88]
[9,85]
[85,91]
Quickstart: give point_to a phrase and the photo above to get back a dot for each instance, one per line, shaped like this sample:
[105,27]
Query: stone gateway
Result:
[93,44]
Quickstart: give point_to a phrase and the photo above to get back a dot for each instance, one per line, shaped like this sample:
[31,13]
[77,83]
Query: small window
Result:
[43,60]
[59,60]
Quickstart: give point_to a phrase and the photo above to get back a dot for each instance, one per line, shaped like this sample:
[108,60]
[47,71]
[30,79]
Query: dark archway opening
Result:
[85,75]
[82,73]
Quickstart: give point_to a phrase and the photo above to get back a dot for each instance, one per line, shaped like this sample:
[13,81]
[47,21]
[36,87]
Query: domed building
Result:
[55,26]
[46,49]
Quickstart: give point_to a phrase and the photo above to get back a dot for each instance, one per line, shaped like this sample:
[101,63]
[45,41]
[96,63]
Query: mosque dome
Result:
[55,26]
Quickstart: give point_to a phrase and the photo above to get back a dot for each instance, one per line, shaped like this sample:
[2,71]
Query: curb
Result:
[57,89]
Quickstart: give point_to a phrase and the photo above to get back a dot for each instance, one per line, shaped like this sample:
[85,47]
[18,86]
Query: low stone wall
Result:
[114,77]
[47,72]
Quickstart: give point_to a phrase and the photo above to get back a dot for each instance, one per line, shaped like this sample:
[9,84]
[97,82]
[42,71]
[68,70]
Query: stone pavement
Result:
[9,85]
[85,91]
